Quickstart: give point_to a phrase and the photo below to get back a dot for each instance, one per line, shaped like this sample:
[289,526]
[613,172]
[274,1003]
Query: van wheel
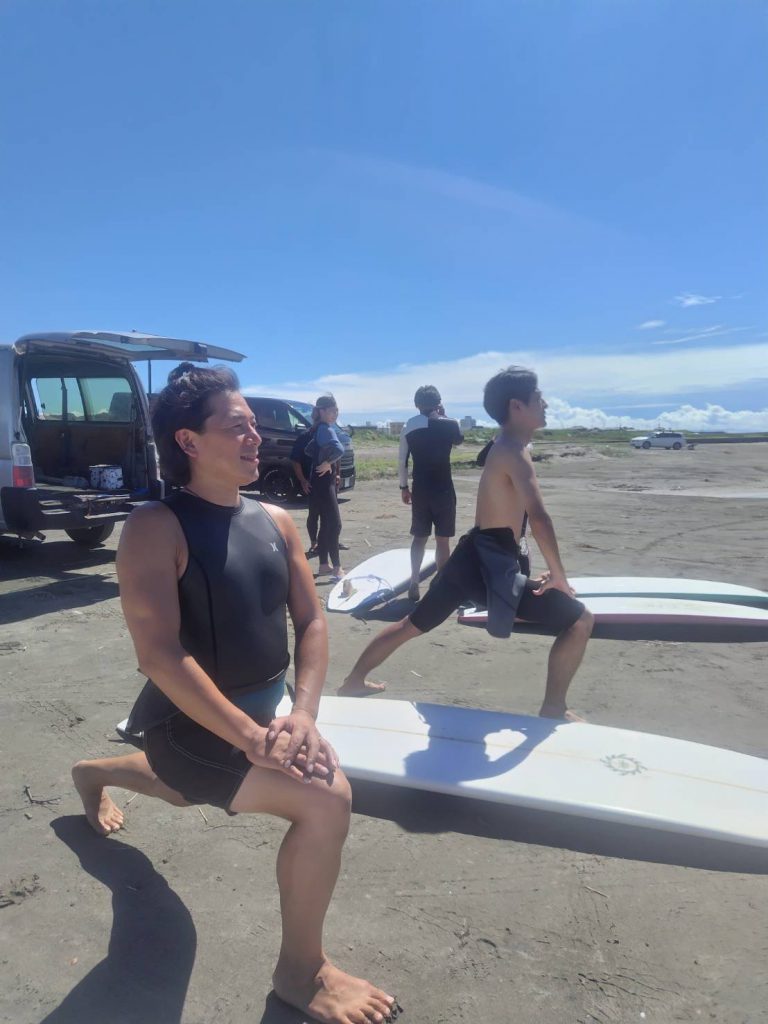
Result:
[91,536]
[278,485]
[677,446]
[646,444]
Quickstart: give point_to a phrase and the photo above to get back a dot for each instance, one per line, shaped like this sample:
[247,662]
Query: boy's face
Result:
[530,415]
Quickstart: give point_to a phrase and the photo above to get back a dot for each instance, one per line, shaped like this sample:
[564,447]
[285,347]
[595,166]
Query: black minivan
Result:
[279,423]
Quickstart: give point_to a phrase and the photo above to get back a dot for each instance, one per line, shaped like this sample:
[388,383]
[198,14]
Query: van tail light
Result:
[23,473]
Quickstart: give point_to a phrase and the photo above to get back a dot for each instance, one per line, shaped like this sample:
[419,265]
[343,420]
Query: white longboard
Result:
[659,611]
[375,580]
[658,586]
[571,768]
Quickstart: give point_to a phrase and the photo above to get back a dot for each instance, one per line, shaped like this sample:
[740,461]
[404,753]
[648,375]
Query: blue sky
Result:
[365,195]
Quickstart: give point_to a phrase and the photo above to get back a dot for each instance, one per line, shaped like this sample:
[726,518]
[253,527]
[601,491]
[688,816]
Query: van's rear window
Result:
[104,399]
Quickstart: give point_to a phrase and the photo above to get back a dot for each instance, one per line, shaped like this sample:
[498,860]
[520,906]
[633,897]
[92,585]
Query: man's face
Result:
[227,448]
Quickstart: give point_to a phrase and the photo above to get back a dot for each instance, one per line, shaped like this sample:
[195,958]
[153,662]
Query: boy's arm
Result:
[523,477]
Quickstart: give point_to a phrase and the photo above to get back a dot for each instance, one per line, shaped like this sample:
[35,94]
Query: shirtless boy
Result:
[508,490]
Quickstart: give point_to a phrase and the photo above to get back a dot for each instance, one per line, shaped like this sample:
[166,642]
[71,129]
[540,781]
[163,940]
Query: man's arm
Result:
[148,561]
[403,453]
[523,476]
[310,651]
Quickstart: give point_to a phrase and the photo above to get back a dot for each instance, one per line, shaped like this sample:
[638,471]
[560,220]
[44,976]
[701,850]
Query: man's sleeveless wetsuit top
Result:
[232,598]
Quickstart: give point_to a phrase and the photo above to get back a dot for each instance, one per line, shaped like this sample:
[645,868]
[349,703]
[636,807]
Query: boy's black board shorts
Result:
[460,581]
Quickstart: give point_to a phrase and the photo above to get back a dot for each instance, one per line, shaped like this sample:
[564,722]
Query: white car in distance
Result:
[660,439]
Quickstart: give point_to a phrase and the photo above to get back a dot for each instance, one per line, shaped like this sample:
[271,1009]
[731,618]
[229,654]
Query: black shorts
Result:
[460,581]
[436,507]
[198,764]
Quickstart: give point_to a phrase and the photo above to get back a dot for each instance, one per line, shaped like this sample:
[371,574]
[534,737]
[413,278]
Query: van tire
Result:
[677,446]
[91,536]
[278,485]
[646,444]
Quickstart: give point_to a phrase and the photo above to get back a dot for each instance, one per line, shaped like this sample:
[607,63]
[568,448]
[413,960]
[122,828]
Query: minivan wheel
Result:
[677,446]
[91,536]
[278,485]
[646,444]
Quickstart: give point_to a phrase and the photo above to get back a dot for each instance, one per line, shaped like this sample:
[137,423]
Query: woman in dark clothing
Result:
[326,450]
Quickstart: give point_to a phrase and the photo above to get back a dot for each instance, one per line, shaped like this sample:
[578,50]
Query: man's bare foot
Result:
[331,996]
[103,814]
[413,592]
[560,712]
[352,687]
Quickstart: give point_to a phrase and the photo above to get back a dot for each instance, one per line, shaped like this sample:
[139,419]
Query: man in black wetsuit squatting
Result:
[427,440]
[205,579]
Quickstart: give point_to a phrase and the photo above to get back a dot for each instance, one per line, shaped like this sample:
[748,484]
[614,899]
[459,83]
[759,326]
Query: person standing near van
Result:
[206,578]
[302,467]
[427,440]
[326,450]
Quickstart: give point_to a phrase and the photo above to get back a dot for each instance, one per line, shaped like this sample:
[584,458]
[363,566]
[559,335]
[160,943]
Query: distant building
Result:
[467,422]
[395,427]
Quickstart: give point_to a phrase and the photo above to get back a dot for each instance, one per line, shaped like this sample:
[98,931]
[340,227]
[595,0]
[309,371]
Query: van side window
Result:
[109,399]
[52,393]
[272,414]
[295,420]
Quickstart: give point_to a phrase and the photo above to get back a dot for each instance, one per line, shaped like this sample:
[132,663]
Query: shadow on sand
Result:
[146,971]
[423,812]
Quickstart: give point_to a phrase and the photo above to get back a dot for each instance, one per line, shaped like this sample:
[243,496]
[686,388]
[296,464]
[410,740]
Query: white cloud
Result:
[684,417]
[654,374]
[706,332]
[650,324]
[414,179]
[687,299]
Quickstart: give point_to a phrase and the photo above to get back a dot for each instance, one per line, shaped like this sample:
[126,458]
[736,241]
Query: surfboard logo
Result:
[623,764]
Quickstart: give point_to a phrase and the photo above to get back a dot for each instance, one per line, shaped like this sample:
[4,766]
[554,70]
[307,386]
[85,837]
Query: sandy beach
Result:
[466,912]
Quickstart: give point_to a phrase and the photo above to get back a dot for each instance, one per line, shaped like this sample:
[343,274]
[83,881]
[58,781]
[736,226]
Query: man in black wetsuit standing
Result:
[427,440]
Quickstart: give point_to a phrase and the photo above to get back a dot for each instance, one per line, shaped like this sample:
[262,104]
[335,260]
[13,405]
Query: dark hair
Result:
[324,402]
[514,382]
[427,398]
[185,403]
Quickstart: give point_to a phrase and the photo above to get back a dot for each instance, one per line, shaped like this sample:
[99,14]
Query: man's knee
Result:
[585,623]
[331,806]
[407,629]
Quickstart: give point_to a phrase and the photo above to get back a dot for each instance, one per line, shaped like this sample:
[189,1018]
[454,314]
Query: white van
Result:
[76,448]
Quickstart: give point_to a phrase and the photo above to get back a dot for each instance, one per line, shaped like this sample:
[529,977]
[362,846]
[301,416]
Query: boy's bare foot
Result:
[413,592]
[103,814]
[561,712]
[332,996]
[352,687]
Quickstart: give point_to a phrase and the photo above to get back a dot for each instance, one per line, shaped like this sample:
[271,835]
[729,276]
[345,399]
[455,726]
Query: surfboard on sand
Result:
[657,586]
[665,618]
[376,580]
[589,771]
[571,768]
